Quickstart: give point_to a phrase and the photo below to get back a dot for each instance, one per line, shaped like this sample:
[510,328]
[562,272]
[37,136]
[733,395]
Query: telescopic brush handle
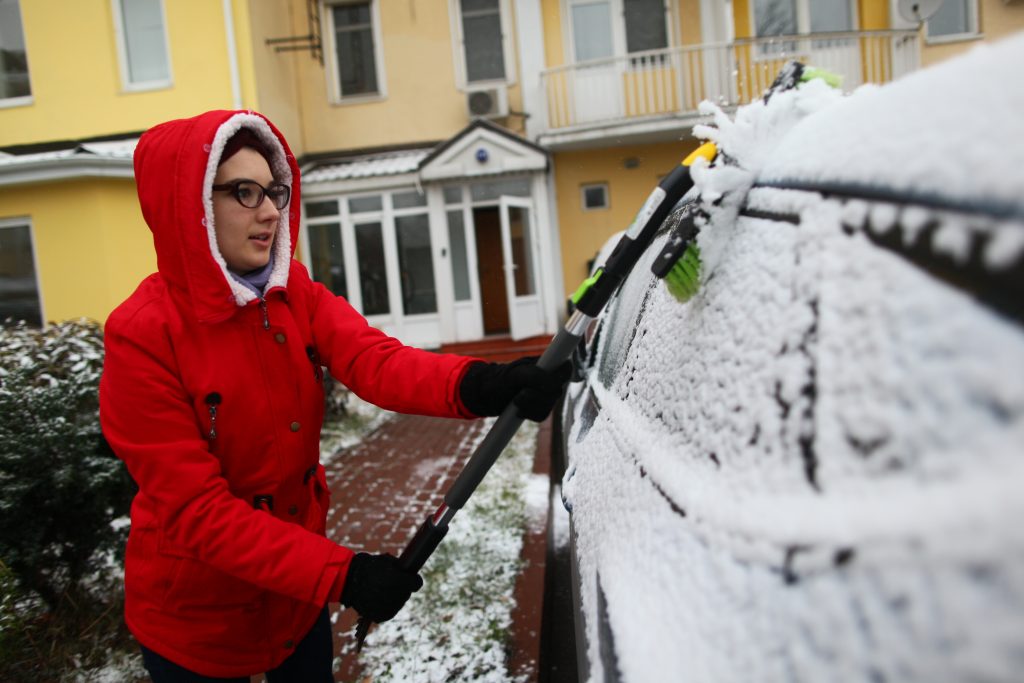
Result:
[504,428]
[412,559]
[422,545]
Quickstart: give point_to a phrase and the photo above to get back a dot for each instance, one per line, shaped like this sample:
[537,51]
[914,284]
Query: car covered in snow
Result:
[813,469]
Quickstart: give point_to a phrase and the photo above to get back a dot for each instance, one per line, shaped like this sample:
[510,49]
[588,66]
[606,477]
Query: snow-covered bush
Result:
[60,486]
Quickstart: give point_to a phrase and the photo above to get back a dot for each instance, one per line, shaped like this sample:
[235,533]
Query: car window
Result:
[621,321]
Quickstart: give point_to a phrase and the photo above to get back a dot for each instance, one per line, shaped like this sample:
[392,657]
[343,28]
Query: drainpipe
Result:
[529,34]
[229,32]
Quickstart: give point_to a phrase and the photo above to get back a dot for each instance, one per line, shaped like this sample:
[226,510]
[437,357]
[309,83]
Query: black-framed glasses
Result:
[250,194]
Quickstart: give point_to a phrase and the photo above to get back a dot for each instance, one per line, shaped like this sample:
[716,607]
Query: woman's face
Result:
[245,236]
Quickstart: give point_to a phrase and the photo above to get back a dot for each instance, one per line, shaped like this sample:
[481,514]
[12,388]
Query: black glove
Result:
[377,587]
[488,388]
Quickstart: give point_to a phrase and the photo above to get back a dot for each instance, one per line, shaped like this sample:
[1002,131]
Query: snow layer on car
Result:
[810,471]
[950,134]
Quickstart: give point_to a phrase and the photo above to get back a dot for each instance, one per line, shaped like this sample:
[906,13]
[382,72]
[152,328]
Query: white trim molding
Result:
[499,153]
[65,165]
[229,38]
[533,58]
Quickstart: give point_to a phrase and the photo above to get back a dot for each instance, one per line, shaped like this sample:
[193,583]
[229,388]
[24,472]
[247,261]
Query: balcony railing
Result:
[671,82]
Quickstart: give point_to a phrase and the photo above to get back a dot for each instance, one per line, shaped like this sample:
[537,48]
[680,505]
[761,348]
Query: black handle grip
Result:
[422,545]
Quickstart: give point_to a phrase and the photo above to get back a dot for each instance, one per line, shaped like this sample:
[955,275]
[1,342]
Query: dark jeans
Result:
[310,662]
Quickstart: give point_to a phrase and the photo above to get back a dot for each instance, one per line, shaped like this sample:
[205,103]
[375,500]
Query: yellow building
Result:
[463,159]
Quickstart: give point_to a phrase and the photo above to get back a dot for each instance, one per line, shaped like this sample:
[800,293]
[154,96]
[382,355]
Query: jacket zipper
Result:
[213,400]
[266,317]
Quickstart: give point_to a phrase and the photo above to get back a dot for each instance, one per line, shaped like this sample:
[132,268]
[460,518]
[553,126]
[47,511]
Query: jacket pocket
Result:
[320,500]
[196,587]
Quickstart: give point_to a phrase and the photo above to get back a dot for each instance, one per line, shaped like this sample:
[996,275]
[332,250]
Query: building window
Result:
[14,83]
[825,16]
[791,17]
[19,290]
[955,19]
[592,30]
[354,28]
[521,237]
[365,204]
[460,254]
[594,196]
[373,281]
[328,257]
[142,42]
[368,248]
[493,190]
[483,41]
[645,25]
[597,31]
[775,18]
[326,251]
[415,264]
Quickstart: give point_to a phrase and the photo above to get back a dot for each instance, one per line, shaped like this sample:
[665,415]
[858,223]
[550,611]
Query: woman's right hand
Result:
[377,587]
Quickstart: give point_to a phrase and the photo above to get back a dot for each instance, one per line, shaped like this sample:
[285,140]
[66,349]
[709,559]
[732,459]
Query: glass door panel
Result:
[328,257]
[522,250]
[416,264]
[460,255]
[519,247]
[373,281]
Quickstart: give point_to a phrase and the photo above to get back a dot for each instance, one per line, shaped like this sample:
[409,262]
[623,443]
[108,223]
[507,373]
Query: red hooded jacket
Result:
[213,399]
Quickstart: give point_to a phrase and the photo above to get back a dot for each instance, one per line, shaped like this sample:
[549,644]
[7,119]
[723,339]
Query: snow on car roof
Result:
[953,132]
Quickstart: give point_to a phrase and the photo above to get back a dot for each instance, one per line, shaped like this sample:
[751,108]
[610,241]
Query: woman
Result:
[212,396]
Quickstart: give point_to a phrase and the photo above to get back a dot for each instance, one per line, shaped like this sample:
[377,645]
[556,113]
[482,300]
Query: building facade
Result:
[463,160]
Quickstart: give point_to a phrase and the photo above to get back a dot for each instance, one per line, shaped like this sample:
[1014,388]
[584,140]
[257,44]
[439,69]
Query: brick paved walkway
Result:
[383,489]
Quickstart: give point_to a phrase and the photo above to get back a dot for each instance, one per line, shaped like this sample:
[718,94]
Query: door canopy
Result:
[479,150]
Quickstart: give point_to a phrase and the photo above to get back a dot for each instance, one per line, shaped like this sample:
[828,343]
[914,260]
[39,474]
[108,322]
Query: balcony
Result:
[653,95]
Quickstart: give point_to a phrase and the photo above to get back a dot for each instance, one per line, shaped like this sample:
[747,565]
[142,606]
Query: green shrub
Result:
[60,486]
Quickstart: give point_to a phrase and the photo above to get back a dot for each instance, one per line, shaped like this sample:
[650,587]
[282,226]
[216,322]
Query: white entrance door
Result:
[520,250]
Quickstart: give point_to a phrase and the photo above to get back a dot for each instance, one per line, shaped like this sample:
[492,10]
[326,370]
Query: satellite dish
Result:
[918,11]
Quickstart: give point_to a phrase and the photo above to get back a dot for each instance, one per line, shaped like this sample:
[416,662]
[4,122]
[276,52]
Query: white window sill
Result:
[483,85]
[11,102]
[358,99]
[132,88]
[955,38]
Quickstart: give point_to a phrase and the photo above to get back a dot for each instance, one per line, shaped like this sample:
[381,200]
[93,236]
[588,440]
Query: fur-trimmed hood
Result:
[175,163]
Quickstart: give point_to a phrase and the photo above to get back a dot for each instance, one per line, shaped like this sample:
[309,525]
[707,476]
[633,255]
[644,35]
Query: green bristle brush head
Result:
[683,280]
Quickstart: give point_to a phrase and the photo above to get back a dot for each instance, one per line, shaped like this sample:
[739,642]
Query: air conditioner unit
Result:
[487,103]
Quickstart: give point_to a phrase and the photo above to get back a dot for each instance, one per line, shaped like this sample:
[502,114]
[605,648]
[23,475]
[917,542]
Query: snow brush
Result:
[589,300]
[679,262]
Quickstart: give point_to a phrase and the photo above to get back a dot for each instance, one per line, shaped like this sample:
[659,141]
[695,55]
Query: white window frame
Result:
[618,28]
[459,51]
[331,54]
[18,222]
[803,17]
[7,102]
[590,186]
[122,53]
[973,29]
